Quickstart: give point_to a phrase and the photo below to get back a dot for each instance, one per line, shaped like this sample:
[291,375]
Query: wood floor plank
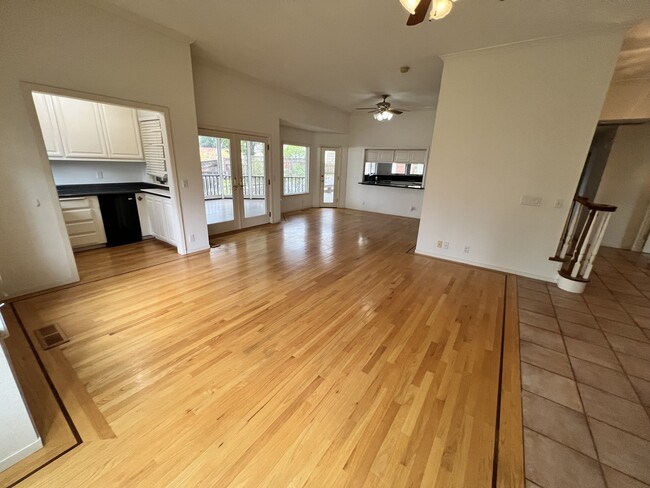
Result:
[316,352]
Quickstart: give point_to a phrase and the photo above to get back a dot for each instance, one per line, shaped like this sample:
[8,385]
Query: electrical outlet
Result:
[412,208]
[186,183]
[100,175]
[363,204]
[192,238]
[466,250]
[446,245]
[439,244]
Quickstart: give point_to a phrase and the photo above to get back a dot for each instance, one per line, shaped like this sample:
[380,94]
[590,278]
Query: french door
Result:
[330,162]
[235,180]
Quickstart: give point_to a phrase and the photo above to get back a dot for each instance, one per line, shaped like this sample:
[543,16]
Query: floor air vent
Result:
[51,336]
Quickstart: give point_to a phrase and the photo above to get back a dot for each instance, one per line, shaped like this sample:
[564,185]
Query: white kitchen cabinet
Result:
[122,132]
[49,126]
[162,219]
[410,156]
[83,221]
[82,128]
[386,156]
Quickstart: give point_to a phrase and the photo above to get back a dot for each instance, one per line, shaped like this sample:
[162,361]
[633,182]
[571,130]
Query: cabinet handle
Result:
[140,199]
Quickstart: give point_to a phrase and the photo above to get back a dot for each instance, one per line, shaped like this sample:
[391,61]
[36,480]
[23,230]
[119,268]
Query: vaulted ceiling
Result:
[344,53]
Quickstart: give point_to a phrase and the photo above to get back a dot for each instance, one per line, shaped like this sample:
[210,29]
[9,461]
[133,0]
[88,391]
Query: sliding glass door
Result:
[235,180]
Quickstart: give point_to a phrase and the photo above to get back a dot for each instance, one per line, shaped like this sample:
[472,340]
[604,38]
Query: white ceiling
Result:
[347,52]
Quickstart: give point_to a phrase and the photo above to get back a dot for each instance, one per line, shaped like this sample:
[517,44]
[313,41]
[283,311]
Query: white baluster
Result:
[596,246]
[583,249]
[575,216]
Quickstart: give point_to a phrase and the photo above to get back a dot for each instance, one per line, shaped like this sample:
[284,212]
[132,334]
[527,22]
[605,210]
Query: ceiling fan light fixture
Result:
[378,116]
[410,5]
[388,115]
[441,9]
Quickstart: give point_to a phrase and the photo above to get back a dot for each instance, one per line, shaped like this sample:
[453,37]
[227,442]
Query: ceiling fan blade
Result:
[366,108]
[396,112]
[420,13]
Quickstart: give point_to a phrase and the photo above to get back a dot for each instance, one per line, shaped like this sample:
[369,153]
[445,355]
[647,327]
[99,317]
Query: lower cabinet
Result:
[83,221]
[162,224]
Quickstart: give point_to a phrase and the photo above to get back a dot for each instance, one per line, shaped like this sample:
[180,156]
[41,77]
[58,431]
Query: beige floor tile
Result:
[615,411]
[632,299]
[622,451]
[607,313]
[576,317]
[553,465]
[552,386]
[589,352]
[541,337]
[629,346]
[538,320]
[637,310]
[604,303]
[603,378]
[597,292]
[559,423]
[536,306]
[643,388]
[625,330]
[616,479]
[543,357]
[571,304]
[553,290]
[586,334]
[530,484]
[538,296]
[531,284]
[635,366]
[642,321]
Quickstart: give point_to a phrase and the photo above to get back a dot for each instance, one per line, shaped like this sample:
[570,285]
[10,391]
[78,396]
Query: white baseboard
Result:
[517,272]
[22,454]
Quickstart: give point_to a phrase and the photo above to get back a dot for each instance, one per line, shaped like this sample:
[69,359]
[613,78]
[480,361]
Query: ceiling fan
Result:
[419,8]
[383,111]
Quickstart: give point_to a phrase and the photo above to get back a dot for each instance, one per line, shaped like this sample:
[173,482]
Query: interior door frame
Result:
[337,176]
[240,221]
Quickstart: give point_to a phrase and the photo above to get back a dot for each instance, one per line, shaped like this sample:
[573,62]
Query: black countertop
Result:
[103,189]
[395,184]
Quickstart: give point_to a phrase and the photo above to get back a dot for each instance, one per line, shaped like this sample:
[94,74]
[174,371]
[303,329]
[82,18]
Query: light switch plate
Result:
[531,201]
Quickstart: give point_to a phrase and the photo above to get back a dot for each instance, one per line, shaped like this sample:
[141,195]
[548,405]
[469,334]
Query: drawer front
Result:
[86,240]
[78,228]
[75,202]
[78,215]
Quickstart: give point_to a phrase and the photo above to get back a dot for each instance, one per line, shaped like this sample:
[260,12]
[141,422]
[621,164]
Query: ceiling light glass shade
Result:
[388,115]
[378,116]
[410,5]
[441,9]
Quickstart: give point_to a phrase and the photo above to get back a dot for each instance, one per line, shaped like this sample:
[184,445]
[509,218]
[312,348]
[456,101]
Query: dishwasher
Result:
[120,216]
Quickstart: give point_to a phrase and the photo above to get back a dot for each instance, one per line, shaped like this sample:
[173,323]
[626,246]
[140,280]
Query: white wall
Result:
[85,172]
[626,184]
[412,130]
[226,100]
[512,121]
[71,45]
[627,100]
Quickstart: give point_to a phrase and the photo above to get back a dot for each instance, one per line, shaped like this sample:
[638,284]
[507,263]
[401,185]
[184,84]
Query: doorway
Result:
[330,163]
[235,180]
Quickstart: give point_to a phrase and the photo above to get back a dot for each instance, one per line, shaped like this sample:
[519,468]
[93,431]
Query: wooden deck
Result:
[317,352]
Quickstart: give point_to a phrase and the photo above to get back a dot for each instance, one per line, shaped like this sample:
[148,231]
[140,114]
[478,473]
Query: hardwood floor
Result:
[317,352]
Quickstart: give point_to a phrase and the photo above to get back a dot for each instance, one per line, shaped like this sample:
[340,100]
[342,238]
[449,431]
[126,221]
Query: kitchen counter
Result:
[395,184]
[107,189]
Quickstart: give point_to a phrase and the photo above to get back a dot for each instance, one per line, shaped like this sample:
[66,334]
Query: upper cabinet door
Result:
[402,156]
[81,128]
[122,132]
[49,127]
[418,156]
[386,156]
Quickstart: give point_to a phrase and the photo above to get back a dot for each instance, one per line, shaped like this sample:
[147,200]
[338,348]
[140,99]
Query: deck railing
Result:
[220,186]
[294,185]
[581,239]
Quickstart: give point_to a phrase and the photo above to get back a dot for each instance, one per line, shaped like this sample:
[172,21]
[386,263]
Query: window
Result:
[295,169]
[398,169]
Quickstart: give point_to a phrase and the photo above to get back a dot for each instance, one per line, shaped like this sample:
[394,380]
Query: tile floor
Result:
[586,377]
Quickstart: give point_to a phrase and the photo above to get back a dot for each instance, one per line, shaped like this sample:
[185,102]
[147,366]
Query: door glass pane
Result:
[329,175]
[217,178]
[253,162]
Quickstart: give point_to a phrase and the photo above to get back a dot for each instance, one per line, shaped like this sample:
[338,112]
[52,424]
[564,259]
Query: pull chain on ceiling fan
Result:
[383,110]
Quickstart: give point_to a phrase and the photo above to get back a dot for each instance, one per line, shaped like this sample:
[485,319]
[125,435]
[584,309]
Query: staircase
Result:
[581,238]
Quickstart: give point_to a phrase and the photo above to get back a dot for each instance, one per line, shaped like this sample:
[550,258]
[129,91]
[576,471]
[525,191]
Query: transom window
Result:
[295,169]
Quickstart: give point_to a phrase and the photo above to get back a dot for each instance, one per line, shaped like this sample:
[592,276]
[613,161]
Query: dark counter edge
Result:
[104,189]
[372,183]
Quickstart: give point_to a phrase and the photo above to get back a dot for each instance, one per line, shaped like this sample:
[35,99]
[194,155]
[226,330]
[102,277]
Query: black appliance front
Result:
[120,216]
